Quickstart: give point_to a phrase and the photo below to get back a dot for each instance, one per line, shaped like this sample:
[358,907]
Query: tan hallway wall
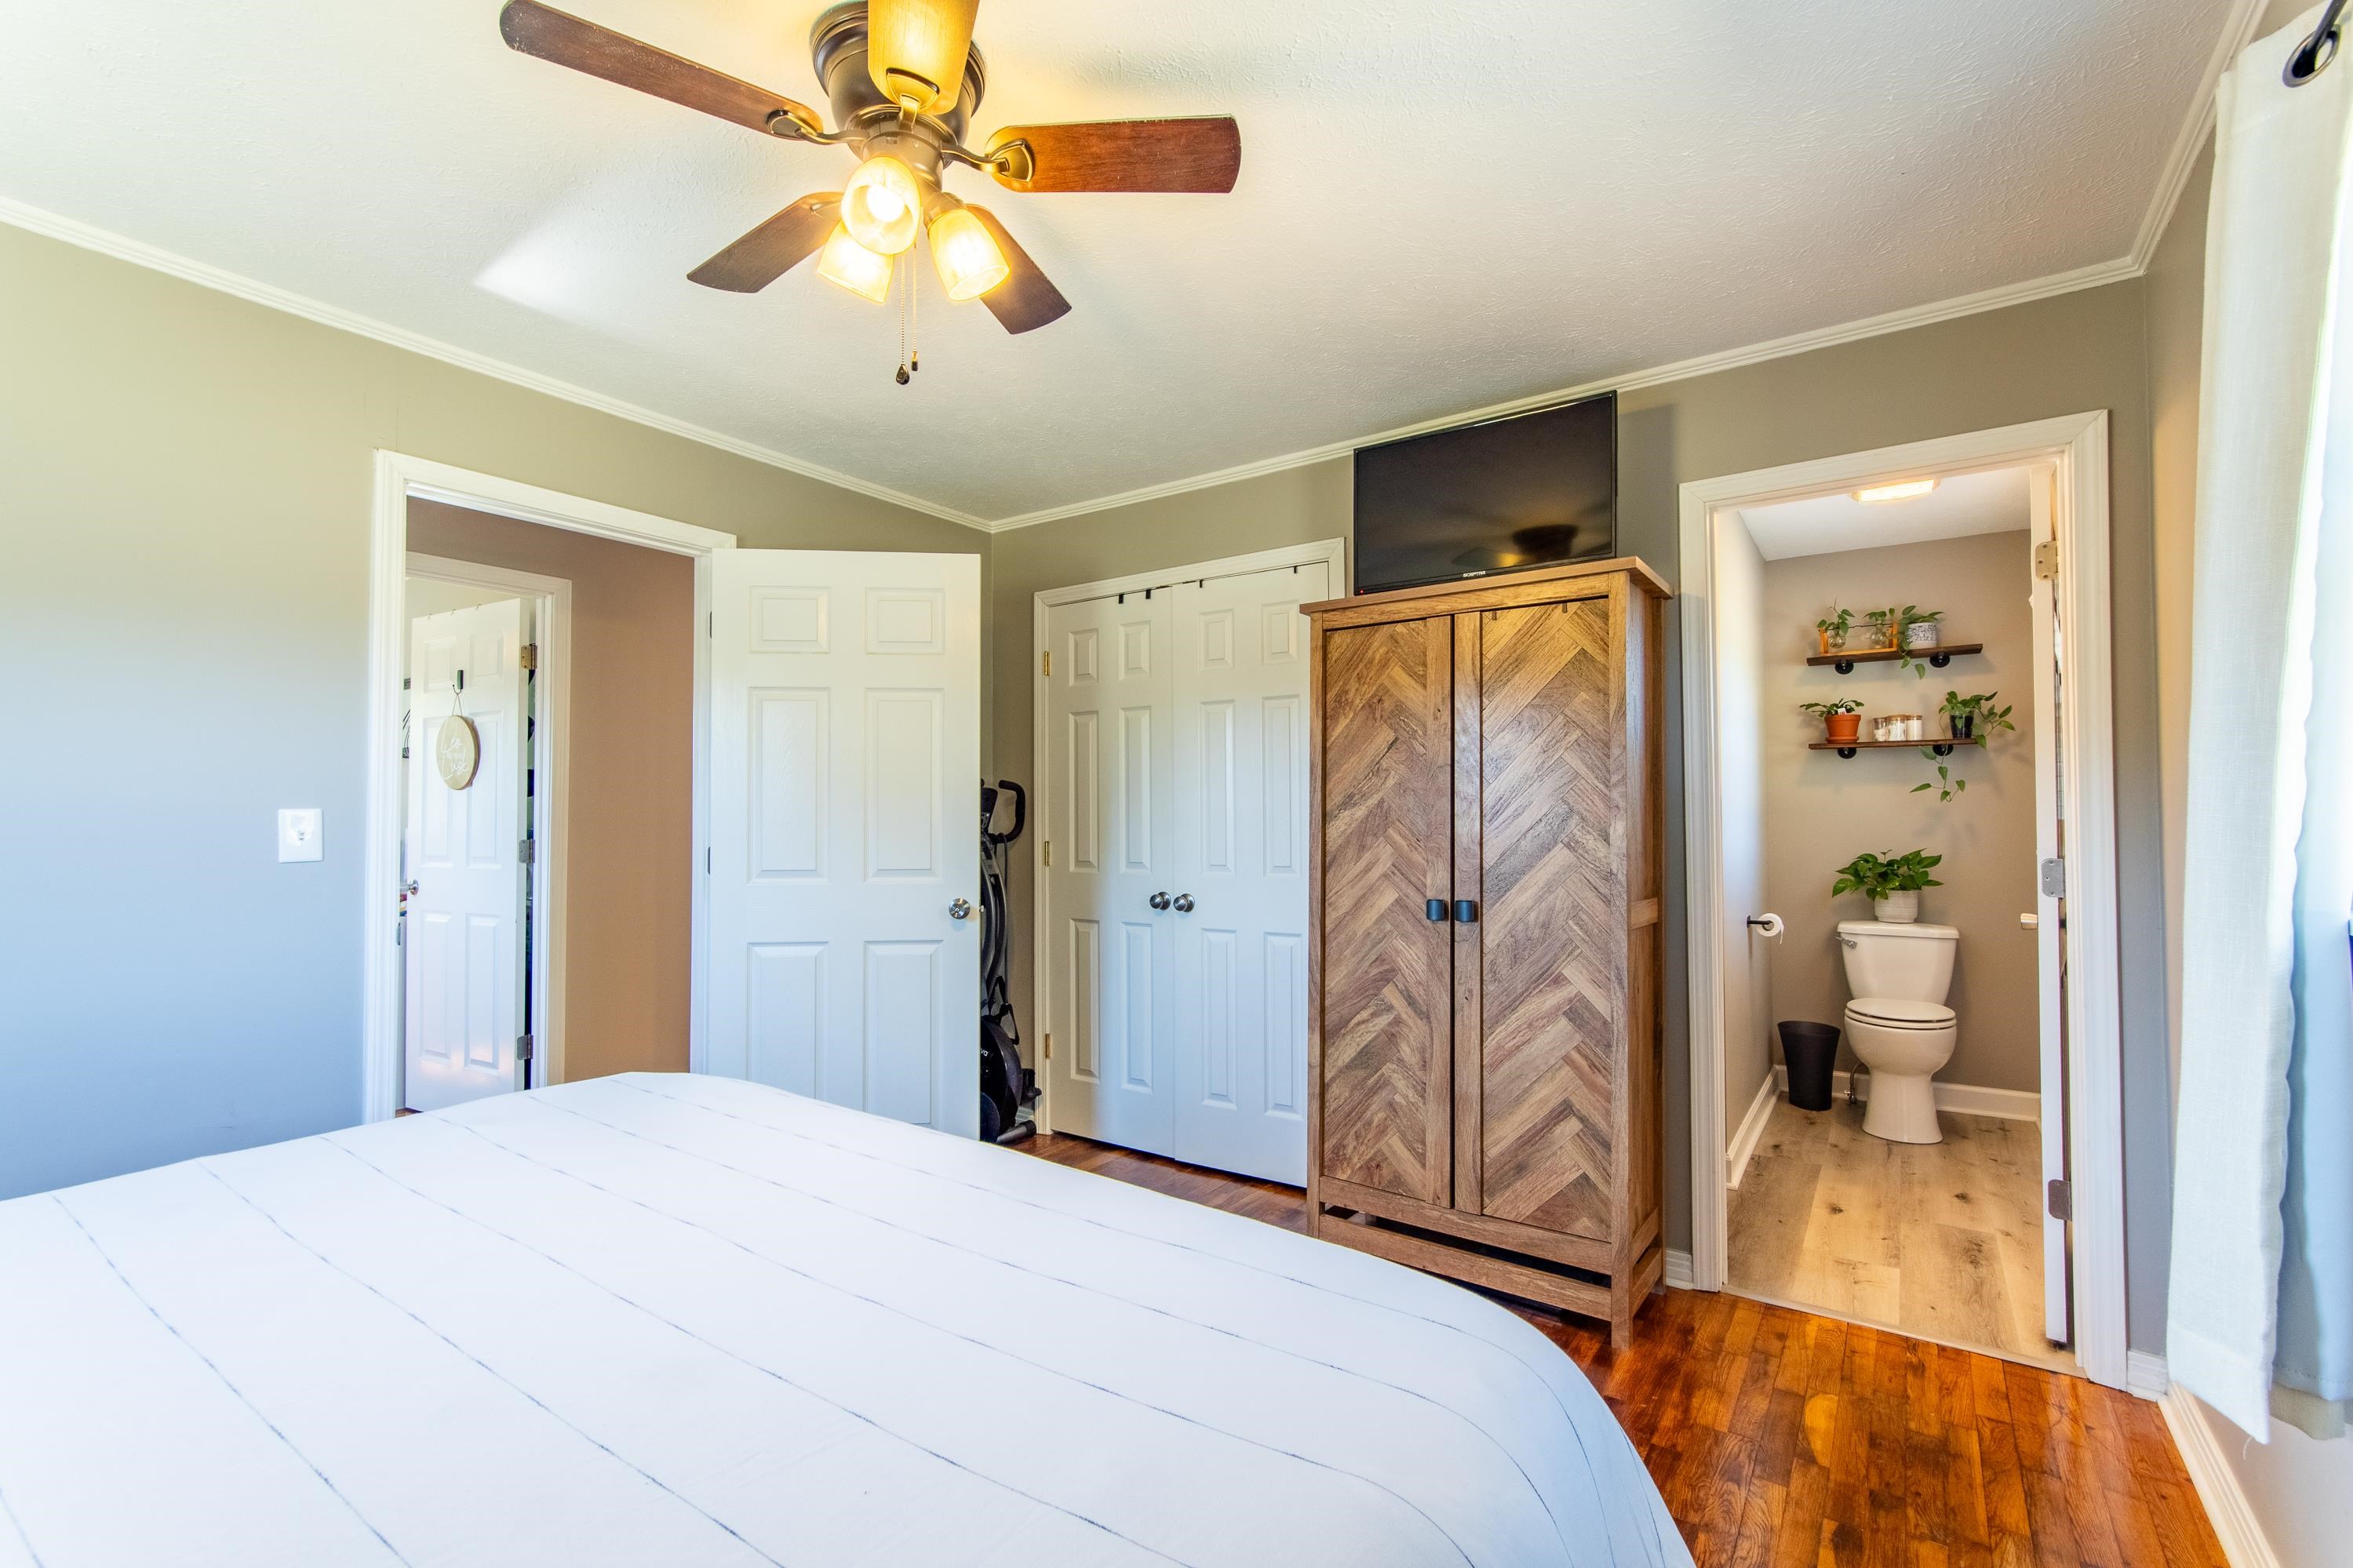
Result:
[183,579]
[1821,809]
[629,797]
[2065,355]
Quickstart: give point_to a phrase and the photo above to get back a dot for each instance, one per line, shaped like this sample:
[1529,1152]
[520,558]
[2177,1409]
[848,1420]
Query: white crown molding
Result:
[1985,300]
[2238,32]
[2243,1543]
[73,231]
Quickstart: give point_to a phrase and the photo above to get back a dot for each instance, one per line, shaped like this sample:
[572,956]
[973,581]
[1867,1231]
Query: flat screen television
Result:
[1531,490]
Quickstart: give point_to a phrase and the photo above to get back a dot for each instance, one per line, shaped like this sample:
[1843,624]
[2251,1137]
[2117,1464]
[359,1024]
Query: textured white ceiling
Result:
[1440,207]
[1960,505]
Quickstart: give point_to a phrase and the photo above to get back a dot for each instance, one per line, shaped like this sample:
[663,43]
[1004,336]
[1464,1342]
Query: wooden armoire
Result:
[1484,1095]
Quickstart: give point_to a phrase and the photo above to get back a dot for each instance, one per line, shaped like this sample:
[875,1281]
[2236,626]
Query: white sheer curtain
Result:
[2261,1291]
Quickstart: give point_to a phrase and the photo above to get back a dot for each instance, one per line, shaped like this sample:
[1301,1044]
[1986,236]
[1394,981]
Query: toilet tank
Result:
[1884,958]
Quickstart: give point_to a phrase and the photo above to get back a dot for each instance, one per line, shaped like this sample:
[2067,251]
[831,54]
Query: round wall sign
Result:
[457,751]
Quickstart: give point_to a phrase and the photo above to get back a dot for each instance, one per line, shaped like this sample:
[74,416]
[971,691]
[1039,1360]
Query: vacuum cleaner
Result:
[1006,1085]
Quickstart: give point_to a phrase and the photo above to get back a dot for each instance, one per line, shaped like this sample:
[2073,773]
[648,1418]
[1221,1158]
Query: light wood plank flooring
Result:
[1942,1240]
[1785,1440]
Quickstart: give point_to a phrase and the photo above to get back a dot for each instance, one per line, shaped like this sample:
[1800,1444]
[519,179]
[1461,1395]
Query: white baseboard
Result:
[1679,1269]
[1967,1098]
[1752,1128]
[2145,1375]
[2227,1509]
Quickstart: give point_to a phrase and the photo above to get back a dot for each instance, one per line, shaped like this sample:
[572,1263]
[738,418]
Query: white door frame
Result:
[551,755]
[398,477]
[2076,446]
[1332,553]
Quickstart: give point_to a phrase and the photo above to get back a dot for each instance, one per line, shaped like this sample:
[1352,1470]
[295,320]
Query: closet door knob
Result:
[1158,900]
[1183,903]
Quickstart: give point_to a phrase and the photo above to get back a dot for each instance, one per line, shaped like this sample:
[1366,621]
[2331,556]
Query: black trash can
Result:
[1811,1051]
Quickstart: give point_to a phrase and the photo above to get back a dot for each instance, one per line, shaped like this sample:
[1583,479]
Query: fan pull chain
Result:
[908,274]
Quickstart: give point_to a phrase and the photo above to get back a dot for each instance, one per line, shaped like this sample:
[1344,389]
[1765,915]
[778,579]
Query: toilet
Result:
[1898,1023]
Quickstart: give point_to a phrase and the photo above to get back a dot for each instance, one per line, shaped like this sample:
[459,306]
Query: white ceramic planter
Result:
[1921,634]
[1898,908]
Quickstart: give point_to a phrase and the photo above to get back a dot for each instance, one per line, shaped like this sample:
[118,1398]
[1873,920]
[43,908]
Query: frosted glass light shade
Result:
[852,266]
[883,207]
[916,50]
[969,262]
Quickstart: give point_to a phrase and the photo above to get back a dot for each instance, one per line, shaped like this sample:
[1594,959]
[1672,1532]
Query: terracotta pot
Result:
[1839,728]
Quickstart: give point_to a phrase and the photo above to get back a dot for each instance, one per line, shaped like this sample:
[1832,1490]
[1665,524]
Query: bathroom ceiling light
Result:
[1903,490]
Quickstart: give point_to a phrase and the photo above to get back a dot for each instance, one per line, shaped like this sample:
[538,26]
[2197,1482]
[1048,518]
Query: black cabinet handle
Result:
[1435,908]
[1465,911]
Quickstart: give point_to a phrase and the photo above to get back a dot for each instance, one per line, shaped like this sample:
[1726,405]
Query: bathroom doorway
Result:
[1876,668]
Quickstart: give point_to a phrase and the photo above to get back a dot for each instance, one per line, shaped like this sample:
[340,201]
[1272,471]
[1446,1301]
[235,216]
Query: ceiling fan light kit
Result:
[901,79]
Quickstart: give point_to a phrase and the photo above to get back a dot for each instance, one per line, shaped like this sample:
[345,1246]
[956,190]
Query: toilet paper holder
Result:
[1770,924]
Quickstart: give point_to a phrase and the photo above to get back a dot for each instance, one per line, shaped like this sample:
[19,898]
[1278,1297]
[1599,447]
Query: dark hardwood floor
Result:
[1781,1439]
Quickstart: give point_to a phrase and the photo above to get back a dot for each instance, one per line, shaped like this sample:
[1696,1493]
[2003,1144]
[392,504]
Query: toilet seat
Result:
[1898,1013]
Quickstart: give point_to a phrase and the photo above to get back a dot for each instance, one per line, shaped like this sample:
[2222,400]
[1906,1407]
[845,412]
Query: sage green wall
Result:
[2067,354]
[186,480]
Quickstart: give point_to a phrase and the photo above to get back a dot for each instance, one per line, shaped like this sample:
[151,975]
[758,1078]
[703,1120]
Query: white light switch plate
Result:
[300,835]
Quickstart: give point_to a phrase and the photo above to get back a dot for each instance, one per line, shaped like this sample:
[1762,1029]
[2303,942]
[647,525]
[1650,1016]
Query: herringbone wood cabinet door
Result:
[1552,933]
[1387,778]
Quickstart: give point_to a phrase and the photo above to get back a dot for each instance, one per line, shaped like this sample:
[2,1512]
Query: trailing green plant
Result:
[1835,705]
[1835,628]
[1877,876]
[1976,715]
[1945,784]
[1907,617]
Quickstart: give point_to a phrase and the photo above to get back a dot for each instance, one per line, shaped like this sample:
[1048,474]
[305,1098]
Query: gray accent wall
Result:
[2065,355]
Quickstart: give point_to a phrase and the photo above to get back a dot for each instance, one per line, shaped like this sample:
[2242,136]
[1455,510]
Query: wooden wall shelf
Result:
[1939,656]
[1941,744]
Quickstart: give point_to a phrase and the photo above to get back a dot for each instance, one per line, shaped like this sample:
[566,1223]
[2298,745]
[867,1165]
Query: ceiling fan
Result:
[902,78]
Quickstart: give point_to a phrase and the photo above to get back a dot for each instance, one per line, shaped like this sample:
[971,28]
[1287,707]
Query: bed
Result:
[685,1320]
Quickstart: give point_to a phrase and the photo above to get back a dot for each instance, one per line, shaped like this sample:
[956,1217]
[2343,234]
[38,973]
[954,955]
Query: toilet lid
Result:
[1900,1013]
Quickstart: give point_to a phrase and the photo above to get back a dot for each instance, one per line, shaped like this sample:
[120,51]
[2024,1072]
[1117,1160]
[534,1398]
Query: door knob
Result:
[1183,903]
[1158,900]
[960,911]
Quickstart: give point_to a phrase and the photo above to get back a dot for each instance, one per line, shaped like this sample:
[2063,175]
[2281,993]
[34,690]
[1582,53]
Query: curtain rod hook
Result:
[2312,55]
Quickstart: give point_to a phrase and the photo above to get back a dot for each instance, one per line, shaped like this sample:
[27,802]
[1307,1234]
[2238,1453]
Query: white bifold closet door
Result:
[462,935]
[1177,895]
[844,837]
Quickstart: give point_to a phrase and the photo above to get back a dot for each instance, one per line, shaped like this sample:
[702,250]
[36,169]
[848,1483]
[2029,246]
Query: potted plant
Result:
[1964,716]
[1842,719]
[1919,625]
[1892,882]
[1834,630]
[1884,624]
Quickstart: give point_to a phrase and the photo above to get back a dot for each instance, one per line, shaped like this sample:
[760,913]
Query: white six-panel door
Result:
[1240,1001]
[1177,751]
[844,765]
[1109,820]
[462,938]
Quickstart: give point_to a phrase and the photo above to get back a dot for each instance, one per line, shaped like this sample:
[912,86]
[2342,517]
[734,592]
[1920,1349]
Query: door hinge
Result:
[2054,878]
[1048,845]
[1049,1045]
[522,1042]
[2058,1197]
[531,656]
[1046,662]
[710,624]
[527,851]
[2046,559]
[706,860]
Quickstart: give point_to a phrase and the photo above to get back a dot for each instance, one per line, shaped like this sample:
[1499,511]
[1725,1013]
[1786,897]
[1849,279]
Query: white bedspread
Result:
[669,1321]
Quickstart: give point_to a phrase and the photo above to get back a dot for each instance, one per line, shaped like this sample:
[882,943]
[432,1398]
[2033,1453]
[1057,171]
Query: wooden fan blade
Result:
[773,248]
[1203,154]
[548,33]
[1026,301]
